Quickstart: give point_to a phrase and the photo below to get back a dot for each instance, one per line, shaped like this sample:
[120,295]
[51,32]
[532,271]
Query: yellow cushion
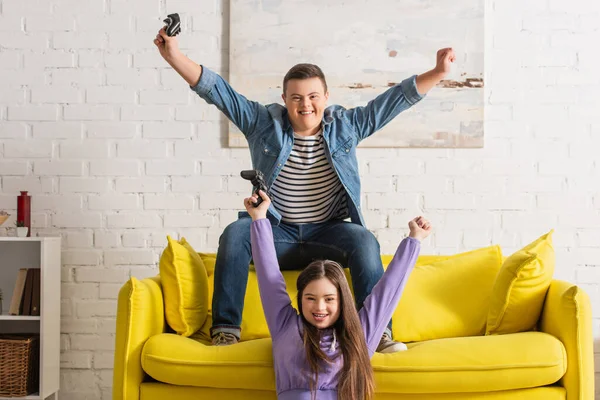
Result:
[185,287]
[520,288]
[472,364]
[447,298]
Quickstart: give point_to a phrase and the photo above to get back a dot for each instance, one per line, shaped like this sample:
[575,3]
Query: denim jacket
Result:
[270,135]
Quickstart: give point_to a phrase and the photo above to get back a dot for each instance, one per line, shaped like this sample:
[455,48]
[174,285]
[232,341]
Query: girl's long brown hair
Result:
[356,380]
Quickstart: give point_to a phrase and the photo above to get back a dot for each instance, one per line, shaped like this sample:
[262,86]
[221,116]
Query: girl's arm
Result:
[381,303]
[275,299]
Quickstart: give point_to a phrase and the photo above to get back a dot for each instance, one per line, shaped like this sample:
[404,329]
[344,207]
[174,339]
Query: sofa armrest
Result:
[140,315]
[567,315]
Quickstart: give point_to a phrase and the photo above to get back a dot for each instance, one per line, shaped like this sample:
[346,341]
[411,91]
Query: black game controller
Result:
[173,26]
[258,181]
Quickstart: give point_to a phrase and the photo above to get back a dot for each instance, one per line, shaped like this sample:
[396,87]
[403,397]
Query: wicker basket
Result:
[19,365]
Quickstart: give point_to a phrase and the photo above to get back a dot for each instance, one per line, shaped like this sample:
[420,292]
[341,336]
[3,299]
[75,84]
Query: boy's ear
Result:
[283,97]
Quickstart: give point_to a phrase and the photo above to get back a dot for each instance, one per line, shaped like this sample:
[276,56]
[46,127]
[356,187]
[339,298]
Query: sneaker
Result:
[224,339]
[387,345]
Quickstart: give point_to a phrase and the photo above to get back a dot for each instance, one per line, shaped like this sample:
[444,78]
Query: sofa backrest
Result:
[445,296]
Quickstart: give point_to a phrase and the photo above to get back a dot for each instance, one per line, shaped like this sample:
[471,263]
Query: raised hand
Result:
[167,46]
[260,211]
[444,59]
[420,228]
[427,80]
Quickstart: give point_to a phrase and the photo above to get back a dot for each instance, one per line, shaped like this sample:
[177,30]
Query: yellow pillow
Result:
[521,287]
[447,297]
[185,287]
[209,260]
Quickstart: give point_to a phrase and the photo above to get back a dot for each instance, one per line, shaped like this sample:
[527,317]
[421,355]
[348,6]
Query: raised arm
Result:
[210,86]
[169,50]
[379,306]
[275,299]
[380,111]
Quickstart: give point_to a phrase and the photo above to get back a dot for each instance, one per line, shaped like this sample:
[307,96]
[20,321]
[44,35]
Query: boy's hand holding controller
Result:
[420,228]
[167,45]
[165,39]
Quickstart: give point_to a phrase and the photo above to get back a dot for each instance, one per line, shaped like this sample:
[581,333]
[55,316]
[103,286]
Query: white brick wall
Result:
[118,153]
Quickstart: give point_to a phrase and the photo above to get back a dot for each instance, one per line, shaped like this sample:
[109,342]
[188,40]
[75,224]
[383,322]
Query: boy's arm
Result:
[244,113]
[385,107]
[426,81]
[379,306]
[275,299]
[368,119]
[186,68]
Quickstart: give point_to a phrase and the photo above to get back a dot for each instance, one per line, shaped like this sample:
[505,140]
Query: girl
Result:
[324,351]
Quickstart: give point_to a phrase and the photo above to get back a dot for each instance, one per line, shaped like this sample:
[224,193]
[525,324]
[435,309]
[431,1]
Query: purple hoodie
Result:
[292,372]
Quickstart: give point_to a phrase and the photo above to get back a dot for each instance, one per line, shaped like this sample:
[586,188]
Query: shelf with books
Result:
[30,271]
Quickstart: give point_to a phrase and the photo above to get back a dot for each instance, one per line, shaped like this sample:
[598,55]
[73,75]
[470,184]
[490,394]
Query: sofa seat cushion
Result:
[178,360]
[452,365]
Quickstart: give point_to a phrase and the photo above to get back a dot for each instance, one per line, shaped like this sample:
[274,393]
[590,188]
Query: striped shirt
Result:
[308,190]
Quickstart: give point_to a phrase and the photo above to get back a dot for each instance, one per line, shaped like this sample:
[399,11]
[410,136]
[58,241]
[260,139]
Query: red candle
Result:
[24,210]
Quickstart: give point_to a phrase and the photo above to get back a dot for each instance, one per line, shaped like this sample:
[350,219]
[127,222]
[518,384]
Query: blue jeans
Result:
[349,244]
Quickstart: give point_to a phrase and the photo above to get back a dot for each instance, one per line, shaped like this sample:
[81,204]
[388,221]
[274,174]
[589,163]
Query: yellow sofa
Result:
[442,317]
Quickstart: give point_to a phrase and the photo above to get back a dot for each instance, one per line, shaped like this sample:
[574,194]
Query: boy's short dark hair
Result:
[304,71]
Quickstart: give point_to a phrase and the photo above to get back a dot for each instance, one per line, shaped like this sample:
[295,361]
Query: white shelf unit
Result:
[43,253]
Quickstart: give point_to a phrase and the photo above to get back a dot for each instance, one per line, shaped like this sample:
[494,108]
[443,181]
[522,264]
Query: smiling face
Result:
[305,100]
[320,303]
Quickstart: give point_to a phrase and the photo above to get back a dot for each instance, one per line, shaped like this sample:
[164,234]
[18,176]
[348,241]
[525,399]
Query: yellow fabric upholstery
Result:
[438,282]
[514,361]
[434,304]
[140,315]
[254,325]
[161,391]
[185,285]
[528,365]
[566,316]
[520,288]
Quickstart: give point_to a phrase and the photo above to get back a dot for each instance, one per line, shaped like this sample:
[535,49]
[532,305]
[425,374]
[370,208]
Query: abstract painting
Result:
[364,47]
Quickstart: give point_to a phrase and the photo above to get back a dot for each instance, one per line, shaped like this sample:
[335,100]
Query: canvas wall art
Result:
[364,47]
